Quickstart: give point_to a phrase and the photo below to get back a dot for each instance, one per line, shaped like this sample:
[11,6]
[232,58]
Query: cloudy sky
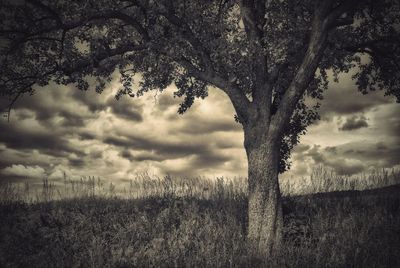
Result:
[61,129]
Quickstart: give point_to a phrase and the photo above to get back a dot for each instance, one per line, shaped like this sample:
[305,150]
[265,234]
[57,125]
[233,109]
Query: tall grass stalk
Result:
[144,186]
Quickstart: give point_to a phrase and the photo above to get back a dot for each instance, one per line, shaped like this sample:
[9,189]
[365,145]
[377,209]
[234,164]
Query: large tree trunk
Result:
[265,221]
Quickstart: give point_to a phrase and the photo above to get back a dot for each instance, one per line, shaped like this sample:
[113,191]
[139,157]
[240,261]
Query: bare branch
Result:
[26,89]
[342,14]
[70,26]
[237,97]
[127,19]
[252,13]
[188,35]
[119,51]
[306,71]
[46,9]
[342,22]
[372,48]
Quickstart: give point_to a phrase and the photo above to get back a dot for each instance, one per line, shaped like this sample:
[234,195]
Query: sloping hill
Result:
[338,229]
[393,190]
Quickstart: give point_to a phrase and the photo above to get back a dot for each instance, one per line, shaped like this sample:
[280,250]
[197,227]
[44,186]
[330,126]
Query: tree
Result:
[268,56]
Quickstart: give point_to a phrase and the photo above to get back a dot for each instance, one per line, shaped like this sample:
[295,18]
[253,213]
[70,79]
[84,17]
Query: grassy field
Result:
[178,223]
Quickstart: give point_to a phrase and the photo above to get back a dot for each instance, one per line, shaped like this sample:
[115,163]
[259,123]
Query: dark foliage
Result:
[250,49]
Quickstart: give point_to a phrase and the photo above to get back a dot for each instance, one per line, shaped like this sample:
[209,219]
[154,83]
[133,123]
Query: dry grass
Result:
[323,179]
[190,223]
[145,186]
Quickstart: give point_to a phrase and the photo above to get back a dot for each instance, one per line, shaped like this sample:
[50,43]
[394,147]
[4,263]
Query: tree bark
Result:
[265,222]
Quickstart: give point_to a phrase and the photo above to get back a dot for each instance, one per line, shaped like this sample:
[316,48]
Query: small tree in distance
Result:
[266,55]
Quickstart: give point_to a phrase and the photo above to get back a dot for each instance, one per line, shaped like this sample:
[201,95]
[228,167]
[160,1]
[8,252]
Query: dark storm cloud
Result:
[94,101]
[57,101]
[354,157]
[198,122]
[209,125]
[62,113]
[118,141]
[96,155]
[62,128]
[148,156]
[354,122]
[301,148]
[86,136]
[19,157]
[23,114]
[166,100]
[27,139]
[67,129]
[71,120]
[209,160]
[348,100]
[331,149]
[76,162]
[21,171]
[381,146]
[340,165]
[165,148]
[388,121]
[126,108]
[198,164]
[344,168]
[192,156]
[316,155]
[226,143]
[127,113]
[127,155]
[393,127]
[379,153]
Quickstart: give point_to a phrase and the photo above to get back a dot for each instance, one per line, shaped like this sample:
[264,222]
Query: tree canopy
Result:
[252,50]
